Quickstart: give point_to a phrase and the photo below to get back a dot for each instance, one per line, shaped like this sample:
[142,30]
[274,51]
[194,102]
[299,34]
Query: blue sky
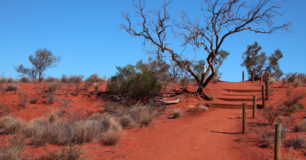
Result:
[88,38]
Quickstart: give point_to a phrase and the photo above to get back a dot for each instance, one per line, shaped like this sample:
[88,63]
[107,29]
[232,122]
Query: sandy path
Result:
[212,136]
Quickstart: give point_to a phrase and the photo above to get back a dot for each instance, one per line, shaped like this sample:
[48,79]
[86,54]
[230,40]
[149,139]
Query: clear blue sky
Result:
[86,35]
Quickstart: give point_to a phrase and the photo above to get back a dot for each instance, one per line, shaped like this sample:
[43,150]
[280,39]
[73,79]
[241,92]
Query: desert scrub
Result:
[9,125]
[142,115]
[296,143]
[12,87]
[24,80]
[4,109]
[136,82]
[23,100]
[93,79]
[12,151]
[301,126]
[111,138]
[66,153]
[57,131]
[127,121]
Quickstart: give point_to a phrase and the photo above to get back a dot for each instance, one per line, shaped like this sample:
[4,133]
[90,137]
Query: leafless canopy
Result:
[221,19]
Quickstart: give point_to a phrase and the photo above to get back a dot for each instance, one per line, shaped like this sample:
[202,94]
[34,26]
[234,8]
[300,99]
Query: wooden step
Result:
[239,99]
[232,106]
[243,90]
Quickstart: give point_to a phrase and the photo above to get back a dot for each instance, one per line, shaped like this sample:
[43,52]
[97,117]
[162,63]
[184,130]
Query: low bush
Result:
[65,132]
[66,153]
[291,104]
[34,100]
[296,143]
[127,121]
[111,138]
[9,125]
[75,79]
[266,136]
[91,80]
[64,79]
[4,109]
[23,100]
[12,87]
[12,151]
[135,82]
[301,126]
[51,80]
[142,115]
[24,80]
[270,114]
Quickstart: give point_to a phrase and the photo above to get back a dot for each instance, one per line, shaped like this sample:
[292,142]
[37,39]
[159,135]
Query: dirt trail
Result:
[212,135]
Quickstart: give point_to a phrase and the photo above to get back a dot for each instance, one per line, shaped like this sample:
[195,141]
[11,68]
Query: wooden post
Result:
[254,105]
[278,134]
[244,118]
[261,77]
[253,75]
[267,86]
[242,76]
[263,96]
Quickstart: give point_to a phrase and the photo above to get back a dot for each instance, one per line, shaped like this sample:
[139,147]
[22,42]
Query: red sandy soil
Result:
[212,135]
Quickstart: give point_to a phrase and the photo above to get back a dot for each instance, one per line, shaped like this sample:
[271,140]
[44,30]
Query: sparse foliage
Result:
[255,61]
[41,61]
[222,19]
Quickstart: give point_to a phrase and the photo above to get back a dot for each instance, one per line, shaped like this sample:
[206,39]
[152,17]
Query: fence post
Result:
[244,118]
[254,105]
[263,96]
[267,86]
[278,134]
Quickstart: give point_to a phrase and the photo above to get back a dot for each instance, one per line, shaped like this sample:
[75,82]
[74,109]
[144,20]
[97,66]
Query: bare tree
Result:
[42,60]
[222,18]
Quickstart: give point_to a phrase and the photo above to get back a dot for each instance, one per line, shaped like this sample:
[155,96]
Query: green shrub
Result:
[135,82]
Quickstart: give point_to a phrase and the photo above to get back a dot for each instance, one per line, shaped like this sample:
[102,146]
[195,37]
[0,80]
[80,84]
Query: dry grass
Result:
[111,138]
[9,125]
[266,136]
[127,121]
[5,109]
[66,153]
[296,143]
[53,86]
[13,151]
[57,131]
[291,105]
[51,80]
[23,99]
[143,115]
[301,126]
[94,78]
[270,114]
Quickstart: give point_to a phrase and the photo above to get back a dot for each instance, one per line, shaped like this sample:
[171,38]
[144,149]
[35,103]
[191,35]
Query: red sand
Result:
[211,135]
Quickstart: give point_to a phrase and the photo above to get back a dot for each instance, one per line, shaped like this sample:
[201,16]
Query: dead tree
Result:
[222,19]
